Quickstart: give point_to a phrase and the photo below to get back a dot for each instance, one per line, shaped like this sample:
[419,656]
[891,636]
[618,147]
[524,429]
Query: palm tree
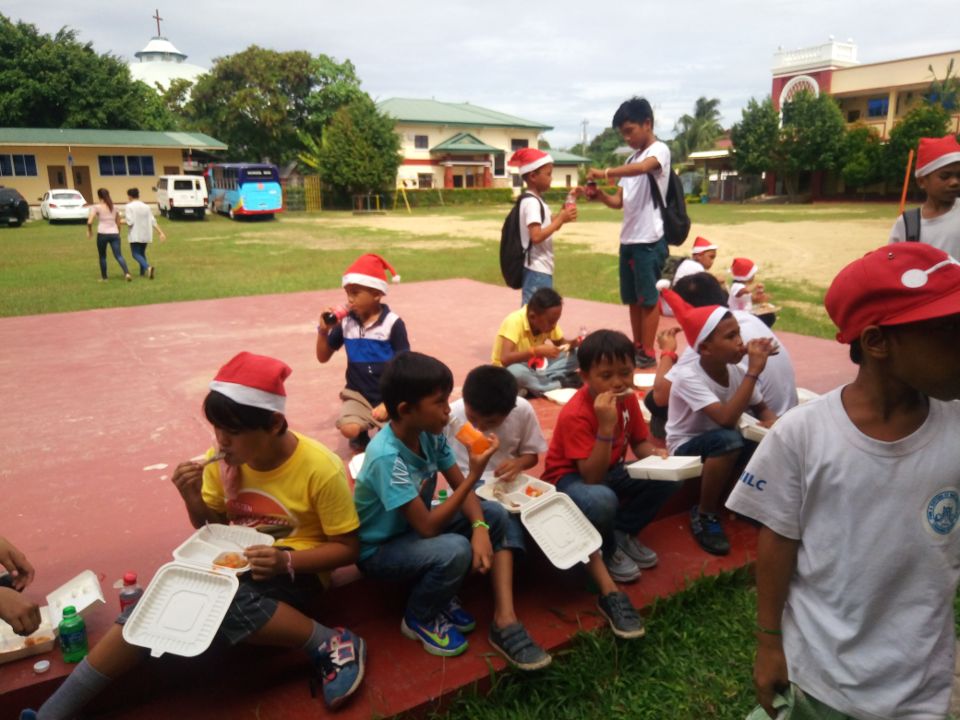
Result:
[697,131]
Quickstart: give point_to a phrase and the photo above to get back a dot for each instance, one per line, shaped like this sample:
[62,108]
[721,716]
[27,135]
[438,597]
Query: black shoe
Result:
[708,532]
[572,381]
[644,361]
[360,442]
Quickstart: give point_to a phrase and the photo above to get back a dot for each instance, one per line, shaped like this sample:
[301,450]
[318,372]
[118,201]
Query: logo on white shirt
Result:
[942,511]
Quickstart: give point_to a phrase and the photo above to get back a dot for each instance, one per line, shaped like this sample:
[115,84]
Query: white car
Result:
[63,205]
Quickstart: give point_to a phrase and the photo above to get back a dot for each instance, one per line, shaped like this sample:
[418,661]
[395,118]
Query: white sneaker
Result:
[643,556]
[621,568]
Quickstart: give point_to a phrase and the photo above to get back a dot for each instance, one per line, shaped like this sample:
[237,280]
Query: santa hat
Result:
[934,153]
[743,269]
[370,272]
[254,380]
[697,322]
[702,245]
[529,159]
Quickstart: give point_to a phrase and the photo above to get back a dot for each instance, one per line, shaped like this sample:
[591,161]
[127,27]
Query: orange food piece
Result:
[232,560]
[473,439]
[31,641]
[533,491]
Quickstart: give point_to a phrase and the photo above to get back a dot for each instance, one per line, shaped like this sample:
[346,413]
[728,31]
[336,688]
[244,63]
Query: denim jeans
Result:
[618,503]
[716,442]
[540,381]
[533,280]
[437,565]
[139,252]
[113,240]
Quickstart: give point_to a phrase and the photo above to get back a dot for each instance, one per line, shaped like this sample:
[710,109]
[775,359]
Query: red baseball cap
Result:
[893,285]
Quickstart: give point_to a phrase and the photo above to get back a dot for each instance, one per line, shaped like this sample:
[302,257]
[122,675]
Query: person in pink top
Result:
[108,232]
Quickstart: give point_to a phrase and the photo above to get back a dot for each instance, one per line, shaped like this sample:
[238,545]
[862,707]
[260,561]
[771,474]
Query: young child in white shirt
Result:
[703,256]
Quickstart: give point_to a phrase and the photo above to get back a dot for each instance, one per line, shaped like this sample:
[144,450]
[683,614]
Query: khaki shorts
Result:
[356,410]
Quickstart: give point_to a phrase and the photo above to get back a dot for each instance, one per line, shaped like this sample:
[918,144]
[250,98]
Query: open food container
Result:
[561,396]
[554,522]
[82,591]
[355,464]
[675,467]
[804,395]
[751,428]
[644,380]
[183,606]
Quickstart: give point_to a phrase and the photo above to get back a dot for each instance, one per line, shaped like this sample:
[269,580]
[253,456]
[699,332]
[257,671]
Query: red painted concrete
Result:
[93,399]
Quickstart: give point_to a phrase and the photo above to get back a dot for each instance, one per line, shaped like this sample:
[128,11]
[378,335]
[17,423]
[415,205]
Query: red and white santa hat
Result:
[934,153]
[254,380]
[743,269]
[697,322]
[529,159]
[702,245]
[370,271]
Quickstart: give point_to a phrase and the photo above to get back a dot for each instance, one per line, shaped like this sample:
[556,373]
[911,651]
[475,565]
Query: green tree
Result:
[697,131]
[756,137]
[56,81]
[924,120]
[600,149]
[862,157]
[360,149]
[258,100]
[945,92]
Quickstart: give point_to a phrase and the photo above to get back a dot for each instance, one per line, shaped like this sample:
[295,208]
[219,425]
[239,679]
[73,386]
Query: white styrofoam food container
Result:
[564,533]
[804,395]
[675,467]
[183,606]
[82,591]
[561,396]
[751,429]
[644,380]
[515,496]
[355,464]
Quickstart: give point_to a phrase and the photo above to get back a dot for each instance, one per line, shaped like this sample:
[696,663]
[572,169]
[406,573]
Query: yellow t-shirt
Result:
[301,503]
[516,328]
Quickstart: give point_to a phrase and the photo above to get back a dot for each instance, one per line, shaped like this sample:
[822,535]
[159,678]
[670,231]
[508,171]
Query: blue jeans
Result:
[716,442]
[618,503]
[437,565]
[113,240]
[533,280]
[139,252]
[538,382]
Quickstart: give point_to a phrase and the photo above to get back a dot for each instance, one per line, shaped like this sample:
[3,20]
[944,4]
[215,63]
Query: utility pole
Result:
[583,136]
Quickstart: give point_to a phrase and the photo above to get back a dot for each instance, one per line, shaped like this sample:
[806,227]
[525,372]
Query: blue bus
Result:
[244,189]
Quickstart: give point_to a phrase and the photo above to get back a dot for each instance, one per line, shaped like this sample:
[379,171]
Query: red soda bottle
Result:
[130,592]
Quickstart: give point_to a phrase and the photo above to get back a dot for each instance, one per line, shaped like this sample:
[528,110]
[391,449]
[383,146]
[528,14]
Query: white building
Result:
[160,63]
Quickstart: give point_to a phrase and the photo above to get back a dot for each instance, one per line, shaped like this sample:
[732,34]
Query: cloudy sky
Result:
[556,62]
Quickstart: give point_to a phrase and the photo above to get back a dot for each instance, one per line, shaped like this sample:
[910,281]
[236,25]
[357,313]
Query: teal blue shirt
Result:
[392,475]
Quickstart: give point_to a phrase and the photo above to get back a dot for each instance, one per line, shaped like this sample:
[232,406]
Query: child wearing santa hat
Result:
[745,291]
[858,496]
[937,221]
[702,258]
[372,334]
[537,225]
[264,476]
[706,401]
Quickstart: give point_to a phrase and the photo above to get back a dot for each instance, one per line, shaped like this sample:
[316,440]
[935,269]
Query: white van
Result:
[181,196]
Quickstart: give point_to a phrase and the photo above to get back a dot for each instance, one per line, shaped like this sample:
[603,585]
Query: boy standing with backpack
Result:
[643,247]
[528,230]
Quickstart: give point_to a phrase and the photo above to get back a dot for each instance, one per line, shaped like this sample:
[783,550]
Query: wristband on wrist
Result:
[290,564]
[605,438]
[480,524]
[768,631]
[669,354]
[751,375]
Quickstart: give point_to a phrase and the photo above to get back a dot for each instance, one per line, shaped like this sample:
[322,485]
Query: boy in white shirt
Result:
[938,174]
[139,218]
[537,225]
[858,493]
[707,399]
[643,248]
[702,258]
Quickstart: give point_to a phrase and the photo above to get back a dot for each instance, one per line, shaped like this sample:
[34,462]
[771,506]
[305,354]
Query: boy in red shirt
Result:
[587,451]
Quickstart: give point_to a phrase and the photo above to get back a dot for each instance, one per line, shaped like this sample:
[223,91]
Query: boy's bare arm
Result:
[646,449]
[728,414]
[593,469]
[324,351]
[188,479]
[511,467]
[667,341]
[539,233]
[776,561]
[614,202]
[268,561]
[764,414]
[509,354]
[647,165]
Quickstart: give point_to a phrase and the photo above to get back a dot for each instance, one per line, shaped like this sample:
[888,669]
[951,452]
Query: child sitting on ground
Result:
[403,538]
[372,334]
[937,221]
[706,401]
[747,295]
[315,527]
[857,494]
[537,225]
[703,256]
[586,459]
[530,336]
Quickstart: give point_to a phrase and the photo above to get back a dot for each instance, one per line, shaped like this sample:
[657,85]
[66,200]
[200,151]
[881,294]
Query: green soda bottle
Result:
[73,636]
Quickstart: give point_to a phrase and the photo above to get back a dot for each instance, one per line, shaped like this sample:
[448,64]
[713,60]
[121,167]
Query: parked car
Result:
[14,209]
[181,196]
[63,204]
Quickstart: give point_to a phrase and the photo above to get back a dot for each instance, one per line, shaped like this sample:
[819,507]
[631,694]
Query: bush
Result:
[456,196]
[294,198]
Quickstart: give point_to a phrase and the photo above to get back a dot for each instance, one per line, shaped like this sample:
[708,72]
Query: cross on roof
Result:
[158,19]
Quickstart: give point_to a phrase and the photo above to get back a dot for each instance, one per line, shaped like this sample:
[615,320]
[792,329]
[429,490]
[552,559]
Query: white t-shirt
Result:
[693,390]
[642,222]
[689,266]
[139,217]
[942,232]
[868,623]
[519,434]
[743,302]
[541,254]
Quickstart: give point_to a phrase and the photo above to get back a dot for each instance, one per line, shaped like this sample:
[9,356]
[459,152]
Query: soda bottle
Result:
[73,636]
[130,592]
[338,314]
[571,200]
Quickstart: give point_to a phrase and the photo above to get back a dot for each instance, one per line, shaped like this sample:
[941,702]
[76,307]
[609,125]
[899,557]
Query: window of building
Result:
[458,181]
[853,116]
[424,181]
[877,107]
[518,143]
[20,165]
[111,165]
[421,142]
[140,164]
[471,180]
[499,165]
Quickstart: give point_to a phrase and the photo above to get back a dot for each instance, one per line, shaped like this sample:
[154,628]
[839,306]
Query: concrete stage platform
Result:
[100,406]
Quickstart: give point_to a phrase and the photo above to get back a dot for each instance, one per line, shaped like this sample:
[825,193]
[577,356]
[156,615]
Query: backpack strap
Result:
[911,225]
[543,218]
[655,192]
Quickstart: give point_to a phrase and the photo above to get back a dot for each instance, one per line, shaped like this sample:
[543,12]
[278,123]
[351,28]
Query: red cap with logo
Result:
[894,285]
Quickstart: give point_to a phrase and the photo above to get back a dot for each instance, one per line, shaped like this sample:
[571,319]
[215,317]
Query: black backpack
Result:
[676,222]
[513,255]
[911,225]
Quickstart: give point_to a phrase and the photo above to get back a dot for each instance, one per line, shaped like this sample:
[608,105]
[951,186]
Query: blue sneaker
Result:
[458,617]
[340,662]
[708,532]
[28,714]
[438,637]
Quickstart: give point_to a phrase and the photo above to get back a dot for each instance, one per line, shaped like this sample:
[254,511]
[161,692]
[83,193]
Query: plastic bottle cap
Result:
[41,666]
[442,494]
[130,578]
[69,610]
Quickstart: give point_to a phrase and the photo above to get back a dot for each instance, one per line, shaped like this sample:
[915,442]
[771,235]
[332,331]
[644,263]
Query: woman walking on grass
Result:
[108,232]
